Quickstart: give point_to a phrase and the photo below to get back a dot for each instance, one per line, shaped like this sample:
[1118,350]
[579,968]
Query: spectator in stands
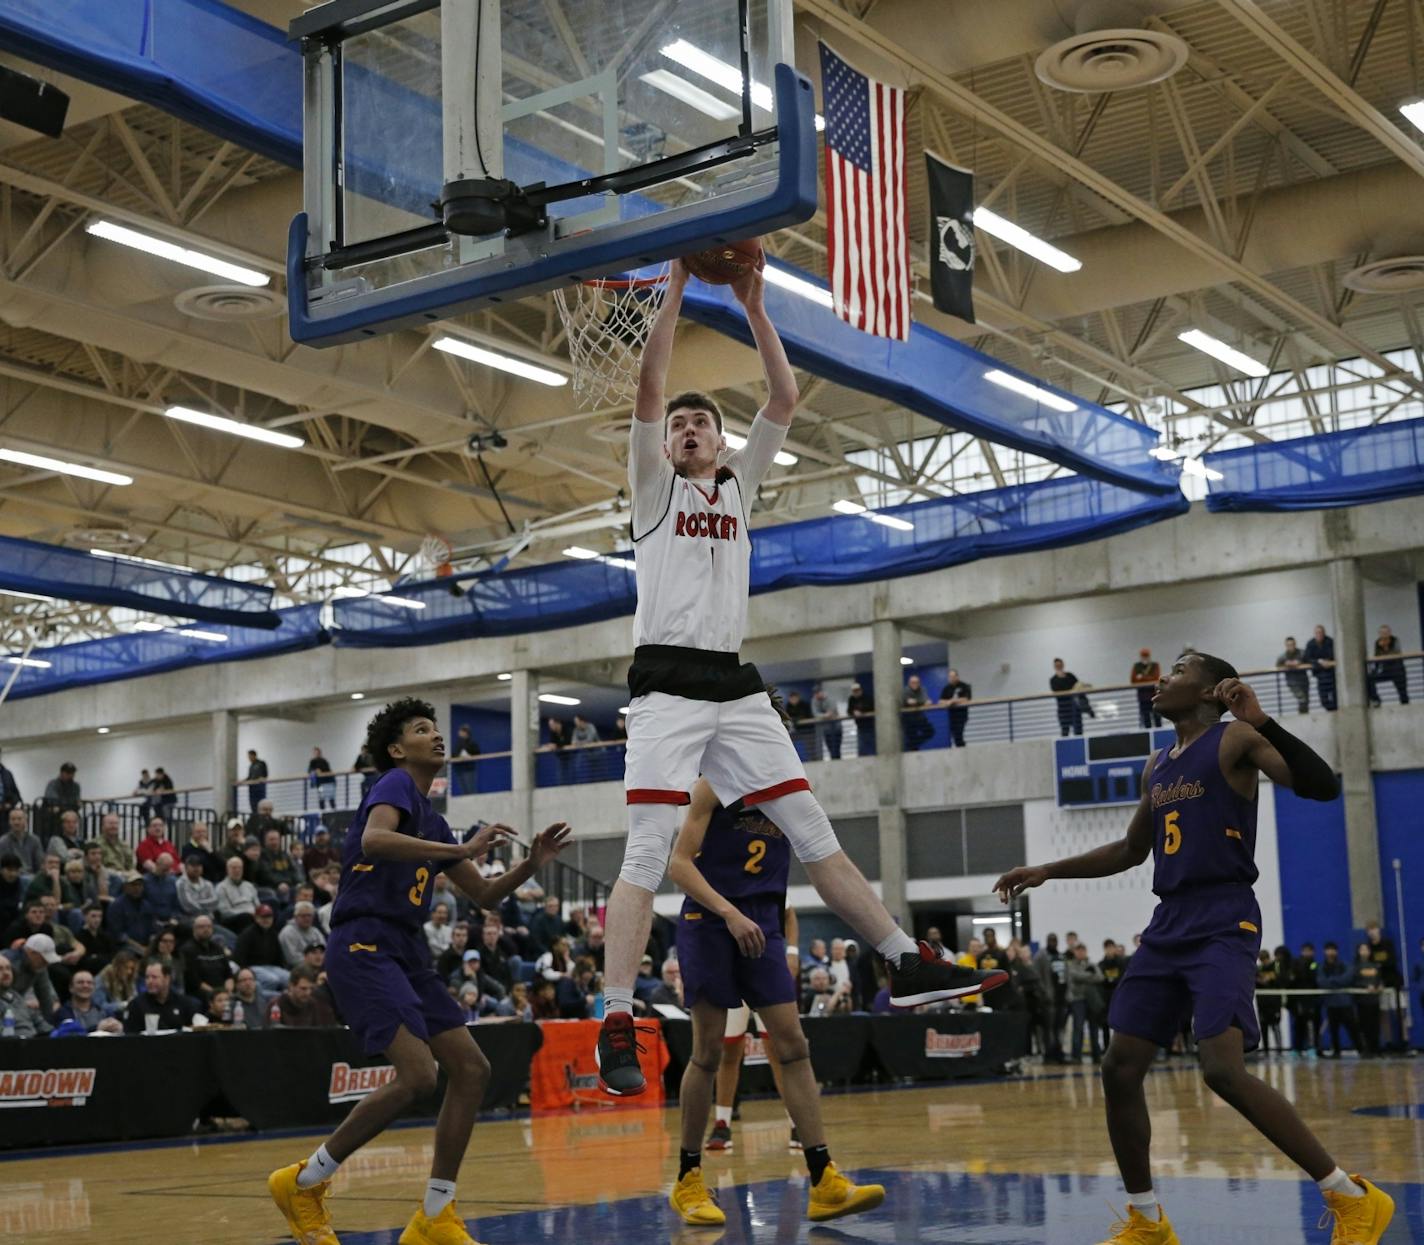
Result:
[667,987]
[619,733]
[517,1006]
[65,840]
[263,820]
[143,788]
[160,888]
[1070,708]
[470,970]
[957,694]
[249,998]
[330,885]
[556,961]
[63,791]
[828,726]
[83,1009]
[19,841]
[475,1005]
[9,790]
[299,1006]
[1387,667]
[323,883]
[118,981]
[235,897]
[860,708]
[592,946]
[838,968]
[236,837]
[822,996]
[916,726]
[164,948]
[276,870]
[319,854]
[1113,964]
[160,999]
[96,874]
[299,933]
[29,1022]
[438,930]
[199,845]
[465,745]
[71,884]
[1144,676]
[558,743]
[1320,655]
[1085,1004]
[1292,661]
[545,1003]
[259,947]
[256,780]
[196,895]
[1337,976]
[48,881]
[323,781]
[118,856]
[1367,976]
[547,925]
[447,963]
[30,921]
[164,794]
[130,918]
[1053,972]
[156,843]
[251,858]
[816,956]
[206,969]
[32,972]
[12,889]
[1268,1005]
[1305,1010]
[98,945]
[584,732]
[1391,982]
[494,954]
[366,766]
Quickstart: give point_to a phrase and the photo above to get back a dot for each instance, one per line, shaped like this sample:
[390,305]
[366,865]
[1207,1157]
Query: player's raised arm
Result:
[782,393]
[1258,740]
[1127,853]
[657,352]
[685,874]
[382,840]
[491,892]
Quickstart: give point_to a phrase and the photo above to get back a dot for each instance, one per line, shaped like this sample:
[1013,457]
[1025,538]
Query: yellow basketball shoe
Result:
[835,1195]
[1358,1220]
[305,1209]
[1137,1229]
[689,1197]
[447,1228]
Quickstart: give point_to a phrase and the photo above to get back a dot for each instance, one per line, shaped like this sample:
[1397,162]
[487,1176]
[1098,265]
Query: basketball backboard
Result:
[466,152]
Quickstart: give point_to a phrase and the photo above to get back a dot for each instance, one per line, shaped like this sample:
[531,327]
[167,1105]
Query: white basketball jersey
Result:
[692,546]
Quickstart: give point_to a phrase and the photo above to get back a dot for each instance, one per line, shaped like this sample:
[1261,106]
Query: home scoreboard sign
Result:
[1104,769]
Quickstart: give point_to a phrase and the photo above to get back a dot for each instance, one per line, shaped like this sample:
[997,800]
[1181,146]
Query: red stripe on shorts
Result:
[651,795]
[772,793]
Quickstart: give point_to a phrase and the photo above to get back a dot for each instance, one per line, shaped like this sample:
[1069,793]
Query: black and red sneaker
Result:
[924,976]
[720,1137]
[619,1072]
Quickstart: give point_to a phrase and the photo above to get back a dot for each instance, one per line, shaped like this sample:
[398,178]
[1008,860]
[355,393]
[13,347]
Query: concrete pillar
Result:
[523,739]
[885,666]
[1352,738]
[224,764]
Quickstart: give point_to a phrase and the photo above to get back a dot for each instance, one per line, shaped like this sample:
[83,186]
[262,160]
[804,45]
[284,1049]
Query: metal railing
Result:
[45,816]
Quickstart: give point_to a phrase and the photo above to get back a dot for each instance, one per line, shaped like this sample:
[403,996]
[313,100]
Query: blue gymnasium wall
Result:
[490,729]
[1398,799]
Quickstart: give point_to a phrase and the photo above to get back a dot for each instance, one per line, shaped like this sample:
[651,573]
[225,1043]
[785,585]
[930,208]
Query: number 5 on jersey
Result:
[1173,842]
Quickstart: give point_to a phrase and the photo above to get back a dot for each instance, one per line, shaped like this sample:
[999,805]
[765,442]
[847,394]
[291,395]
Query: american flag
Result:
[868,248]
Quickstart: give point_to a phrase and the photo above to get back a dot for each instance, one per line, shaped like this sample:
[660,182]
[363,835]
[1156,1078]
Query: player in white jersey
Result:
[695,708]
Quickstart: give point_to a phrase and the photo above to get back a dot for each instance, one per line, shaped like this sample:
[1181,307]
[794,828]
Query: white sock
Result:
[1339,1182]
[438,1195]
[616,999]
[893,946]
[321,1166]
[1145,1204]
[723,1115]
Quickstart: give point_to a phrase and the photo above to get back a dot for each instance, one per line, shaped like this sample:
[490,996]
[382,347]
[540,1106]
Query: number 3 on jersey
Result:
[417,892]
[756,849]
[1173,843]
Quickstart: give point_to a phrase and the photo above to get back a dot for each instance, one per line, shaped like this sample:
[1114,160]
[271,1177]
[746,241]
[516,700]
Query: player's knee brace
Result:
[800,817]
[651,830]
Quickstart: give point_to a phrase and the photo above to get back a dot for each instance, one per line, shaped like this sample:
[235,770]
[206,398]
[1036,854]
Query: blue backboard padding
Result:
[943,379]
[1352,468]
[160,652]
[75,575]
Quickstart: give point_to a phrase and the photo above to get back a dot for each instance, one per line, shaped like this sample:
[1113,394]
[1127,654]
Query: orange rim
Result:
[625,283]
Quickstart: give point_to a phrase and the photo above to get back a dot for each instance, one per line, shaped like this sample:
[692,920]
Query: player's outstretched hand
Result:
[678,273]
[549,843]
[1016,881]
[1241,701]
[478,844]
[748,934]
[749,288]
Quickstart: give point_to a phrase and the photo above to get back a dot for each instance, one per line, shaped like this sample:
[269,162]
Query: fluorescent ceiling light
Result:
[1414,113]
[504,678]
[220,423]
[889,520]
[847,507]
[1229,355]
[133,557]
[45,463]
[907,661]
[178,254]
[579,552]
[1007,380]
[358,695]
[25,596]
[34,663]
[149,626]
[504,362]
[405,603]
[213,637]
[992,920]
[1021,239]
[797,285]
[1165,453]
[729,77]
[1195,467]
[695,96]
[782,459]
[103,730]
[626,563]
[589,555]
[552,698]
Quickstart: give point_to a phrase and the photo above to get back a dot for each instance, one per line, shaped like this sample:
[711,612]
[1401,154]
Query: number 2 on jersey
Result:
[1173,842]
[756,849]
[417,892]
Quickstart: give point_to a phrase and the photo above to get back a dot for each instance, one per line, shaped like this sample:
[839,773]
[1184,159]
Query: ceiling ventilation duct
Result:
[1387,276]
[229,302]
[1111,50]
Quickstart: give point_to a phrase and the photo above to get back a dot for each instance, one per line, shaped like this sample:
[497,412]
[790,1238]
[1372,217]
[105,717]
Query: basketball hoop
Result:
[434,556]
[607,321]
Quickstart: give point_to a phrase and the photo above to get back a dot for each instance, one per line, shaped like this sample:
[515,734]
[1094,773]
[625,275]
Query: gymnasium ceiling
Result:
[1234,196]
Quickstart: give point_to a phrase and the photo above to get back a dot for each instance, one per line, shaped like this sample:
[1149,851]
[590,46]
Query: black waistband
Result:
[705,657]
[692,673]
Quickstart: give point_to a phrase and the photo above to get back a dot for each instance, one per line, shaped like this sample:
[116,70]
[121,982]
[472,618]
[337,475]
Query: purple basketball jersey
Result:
[393,890]
[743,859]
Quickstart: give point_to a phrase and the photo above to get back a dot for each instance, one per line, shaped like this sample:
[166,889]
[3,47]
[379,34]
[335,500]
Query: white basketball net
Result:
[607,324]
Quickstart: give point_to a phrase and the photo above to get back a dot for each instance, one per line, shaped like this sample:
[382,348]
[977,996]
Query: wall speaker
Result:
[34,104]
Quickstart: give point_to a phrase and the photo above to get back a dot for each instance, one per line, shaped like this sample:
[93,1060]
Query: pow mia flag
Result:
[951,237]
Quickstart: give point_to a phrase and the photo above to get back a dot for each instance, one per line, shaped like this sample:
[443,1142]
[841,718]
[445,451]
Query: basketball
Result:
[721,265]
